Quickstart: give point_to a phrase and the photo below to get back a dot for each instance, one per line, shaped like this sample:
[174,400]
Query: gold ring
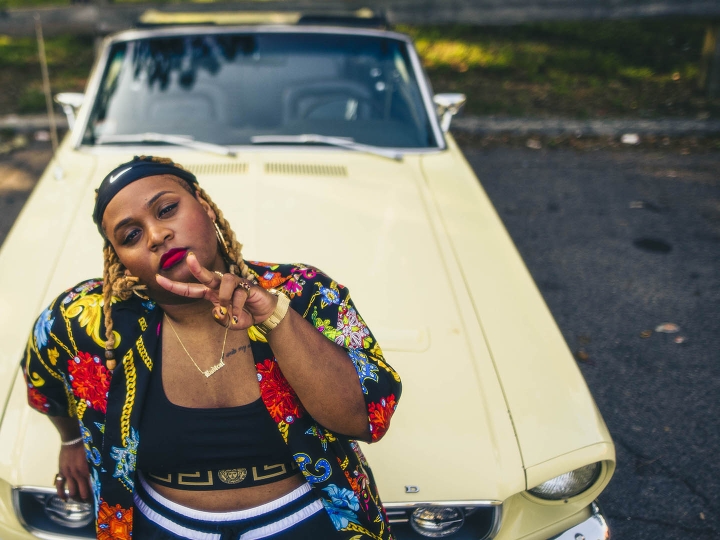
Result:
[244,285]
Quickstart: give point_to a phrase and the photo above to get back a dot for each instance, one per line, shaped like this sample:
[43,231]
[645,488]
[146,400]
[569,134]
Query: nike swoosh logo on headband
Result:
[116,176]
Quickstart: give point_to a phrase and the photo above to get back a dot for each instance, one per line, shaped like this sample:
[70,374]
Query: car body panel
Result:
[493,402]
[545,391]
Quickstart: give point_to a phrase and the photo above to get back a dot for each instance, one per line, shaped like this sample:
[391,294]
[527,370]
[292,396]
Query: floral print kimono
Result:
[66,376]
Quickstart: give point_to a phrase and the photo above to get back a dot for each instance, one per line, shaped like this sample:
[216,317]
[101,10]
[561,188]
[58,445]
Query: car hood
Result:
[379,226]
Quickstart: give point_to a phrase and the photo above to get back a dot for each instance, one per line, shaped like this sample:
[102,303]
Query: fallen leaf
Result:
[582,355]
[534,144]
[668,328]
[680,339]
[646,334]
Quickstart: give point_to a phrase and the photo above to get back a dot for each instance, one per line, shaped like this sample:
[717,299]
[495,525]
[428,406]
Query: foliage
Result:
[69,60]
[646,67]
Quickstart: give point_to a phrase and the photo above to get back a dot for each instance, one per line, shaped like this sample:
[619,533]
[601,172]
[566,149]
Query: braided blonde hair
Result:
[117,285]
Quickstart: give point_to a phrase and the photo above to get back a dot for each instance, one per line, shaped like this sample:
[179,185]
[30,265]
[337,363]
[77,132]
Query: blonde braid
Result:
[234,253]
[116,284]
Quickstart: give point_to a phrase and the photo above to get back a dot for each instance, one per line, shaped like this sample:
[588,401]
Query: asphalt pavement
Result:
[619,242]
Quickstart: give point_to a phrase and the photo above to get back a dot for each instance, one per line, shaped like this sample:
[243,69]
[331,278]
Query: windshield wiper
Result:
[178,140]
[314,138]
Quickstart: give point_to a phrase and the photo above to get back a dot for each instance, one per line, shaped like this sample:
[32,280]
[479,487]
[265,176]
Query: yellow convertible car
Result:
[323,143]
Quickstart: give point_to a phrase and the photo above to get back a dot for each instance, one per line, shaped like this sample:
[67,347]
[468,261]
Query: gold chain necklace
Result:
[211,369]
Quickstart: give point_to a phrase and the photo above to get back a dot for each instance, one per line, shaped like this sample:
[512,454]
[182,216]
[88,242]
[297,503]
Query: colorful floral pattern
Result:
[342,506]
[114,522]
[353,332]
[380,414]
[277,394]
[125,460]
[42,328]
[36,400]
[90,380]
[66,377]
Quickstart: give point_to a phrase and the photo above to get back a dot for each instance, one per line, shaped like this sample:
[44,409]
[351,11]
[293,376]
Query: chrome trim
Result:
[129,35]
[400,512]
[128,149]
[44,535]
[413,504]
[593,528]
[495,529]
[430,110]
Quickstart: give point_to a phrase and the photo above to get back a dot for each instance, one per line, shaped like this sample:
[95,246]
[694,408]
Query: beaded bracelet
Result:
[70,443]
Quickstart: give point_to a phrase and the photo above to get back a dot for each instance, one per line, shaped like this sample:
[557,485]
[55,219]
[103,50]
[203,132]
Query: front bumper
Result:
[593,528]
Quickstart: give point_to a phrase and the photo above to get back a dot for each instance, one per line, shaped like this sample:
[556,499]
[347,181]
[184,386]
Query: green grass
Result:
[639,68]
[581,69]
[69,61]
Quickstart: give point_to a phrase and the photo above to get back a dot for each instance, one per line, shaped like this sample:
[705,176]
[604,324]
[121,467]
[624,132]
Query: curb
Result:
[31,122]
[491,125]
[671,127]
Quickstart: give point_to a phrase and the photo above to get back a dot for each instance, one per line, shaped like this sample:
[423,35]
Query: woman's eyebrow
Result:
[152,200]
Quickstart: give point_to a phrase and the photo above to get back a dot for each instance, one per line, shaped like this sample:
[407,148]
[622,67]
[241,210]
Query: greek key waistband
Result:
[211,479]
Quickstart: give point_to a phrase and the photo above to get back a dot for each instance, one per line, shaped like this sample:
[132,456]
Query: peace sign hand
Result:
[237,303]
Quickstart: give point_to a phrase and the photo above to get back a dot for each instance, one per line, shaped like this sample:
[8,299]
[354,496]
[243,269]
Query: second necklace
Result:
[211,369]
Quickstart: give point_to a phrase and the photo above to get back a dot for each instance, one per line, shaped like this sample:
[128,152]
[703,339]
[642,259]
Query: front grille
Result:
[480,523]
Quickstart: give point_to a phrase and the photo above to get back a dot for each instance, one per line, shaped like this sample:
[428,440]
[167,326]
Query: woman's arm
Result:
[322,375]
[74,473]
[330,380]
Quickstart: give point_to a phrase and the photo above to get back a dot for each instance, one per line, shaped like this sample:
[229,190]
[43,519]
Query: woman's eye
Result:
[129,237]
[166,209]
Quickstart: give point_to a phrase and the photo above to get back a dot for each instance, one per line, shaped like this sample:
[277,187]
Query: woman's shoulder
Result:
[87,288]
[276,275]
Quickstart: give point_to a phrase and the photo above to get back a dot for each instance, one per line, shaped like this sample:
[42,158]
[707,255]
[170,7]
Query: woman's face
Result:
[153,223]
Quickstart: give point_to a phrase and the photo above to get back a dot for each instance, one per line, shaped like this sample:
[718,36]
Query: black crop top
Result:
[189,448]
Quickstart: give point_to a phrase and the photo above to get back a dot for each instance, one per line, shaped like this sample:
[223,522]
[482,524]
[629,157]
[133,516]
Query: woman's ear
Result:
[208,210]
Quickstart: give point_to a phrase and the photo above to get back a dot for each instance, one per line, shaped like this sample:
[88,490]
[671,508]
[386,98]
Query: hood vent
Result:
[217,168]
[311,169]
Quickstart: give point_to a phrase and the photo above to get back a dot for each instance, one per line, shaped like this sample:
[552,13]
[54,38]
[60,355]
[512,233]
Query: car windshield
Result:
[228,88]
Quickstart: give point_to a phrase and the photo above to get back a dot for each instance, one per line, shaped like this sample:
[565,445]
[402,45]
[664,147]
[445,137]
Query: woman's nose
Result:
[158,234]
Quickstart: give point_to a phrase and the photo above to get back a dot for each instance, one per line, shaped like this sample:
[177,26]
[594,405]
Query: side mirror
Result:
[447,106]
[70,102]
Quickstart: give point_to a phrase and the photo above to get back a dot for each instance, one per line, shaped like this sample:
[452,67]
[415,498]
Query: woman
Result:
[239,379]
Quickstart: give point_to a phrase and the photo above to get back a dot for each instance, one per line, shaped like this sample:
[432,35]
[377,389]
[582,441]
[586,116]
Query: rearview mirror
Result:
[447,106]
[70,102]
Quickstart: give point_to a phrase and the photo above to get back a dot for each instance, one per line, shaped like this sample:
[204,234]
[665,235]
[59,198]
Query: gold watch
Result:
[281,309]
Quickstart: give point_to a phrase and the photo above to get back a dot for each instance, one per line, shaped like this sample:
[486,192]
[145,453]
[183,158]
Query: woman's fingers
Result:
[60,486]
[190,290]
[210,279]
[73,480]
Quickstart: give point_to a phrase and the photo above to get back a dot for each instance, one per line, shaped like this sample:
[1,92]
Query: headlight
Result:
[437,522]
[42,512]
[569,484]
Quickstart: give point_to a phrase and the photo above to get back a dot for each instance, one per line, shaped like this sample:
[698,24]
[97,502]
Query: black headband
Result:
[126,174]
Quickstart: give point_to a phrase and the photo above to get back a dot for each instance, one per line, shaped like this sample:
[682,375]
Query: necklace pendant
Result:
[214,368]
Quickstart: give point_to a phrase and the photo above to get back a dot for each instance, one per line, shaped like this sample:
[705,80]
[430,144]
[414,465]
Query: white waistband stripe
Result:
[283,524]
[224,516]
[168,525]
